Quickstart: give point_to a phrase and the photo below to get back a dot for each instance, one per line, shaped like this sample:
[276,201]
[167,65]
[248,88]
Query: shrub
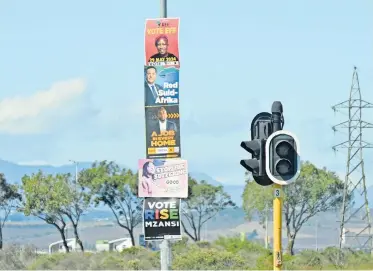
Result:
[208,258]
[129,259]
[180,246]
[13,257]
[265,262]
[309,258]
[224,254]
[203,244]
[235,244]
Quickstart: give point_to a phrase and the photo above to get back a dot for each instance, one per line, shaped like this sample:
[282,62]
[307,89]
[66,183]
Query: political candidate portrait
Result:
[147,183]
[162,123]
[161,43]
[151,88]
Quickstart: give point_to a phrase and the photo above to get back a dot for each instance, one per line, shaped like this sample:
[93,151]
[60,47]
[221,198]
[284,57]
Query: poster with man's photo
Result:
[163,178]
[162,132]
[162,42]
[161,85]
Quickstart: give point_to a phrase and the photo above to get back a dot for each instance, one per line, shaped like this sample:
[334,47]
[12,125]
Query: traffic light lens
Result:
[283,166]
[283,149]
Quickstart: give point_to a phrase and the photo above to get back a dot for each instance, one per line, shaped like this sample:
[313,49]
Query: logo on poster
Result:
[162,23]
[159,215]
[165,138]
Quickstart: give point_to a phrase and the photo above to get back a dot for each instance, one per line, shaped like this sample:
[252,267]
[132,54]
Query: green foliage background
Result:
[222,254]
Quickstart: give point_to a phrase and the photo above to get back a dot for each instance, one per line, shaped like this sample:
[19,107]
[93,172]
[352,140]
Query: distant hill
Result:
[235,191]
[14,173]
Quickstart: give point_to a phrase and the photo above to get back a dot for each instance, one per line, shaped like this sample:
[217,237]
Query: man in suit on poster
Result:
[162,123]
[151,88]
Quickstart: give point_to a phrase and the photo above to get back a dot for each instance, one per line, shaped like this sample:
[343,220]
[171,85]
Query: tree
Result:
[315,191]
[204,202]
[257,199]
[9,200]
[77,201]
[116,188]
[44,196]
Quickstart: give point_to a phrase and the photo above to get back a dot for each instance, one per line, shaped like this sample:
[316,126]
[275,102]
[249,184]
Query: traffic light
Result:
[256,165]
[255,147]
[282,157]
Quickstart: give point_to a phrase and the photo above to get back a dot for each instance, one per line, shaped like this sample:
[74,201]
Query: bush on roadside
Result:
[208,258]
[130,259]
[16,257]
[226,253]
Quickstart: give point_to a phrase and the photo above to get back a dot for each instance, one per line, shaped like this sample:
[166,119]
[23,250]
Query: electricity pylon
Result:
[355,170]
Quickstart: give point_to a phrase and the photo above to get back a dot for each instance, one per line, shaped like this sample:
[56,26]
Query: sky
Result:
[71,78]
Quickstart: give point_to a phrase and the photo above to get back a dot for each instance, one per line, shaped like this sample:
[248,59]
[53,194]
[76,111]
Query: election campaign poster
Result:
[163,178]
[162,132]
[161,85]
[162,42]
[161,219]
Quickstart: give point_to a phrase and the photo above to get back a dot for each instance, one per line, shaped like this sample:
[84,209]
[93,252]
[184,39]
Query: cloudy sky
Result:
[72,87]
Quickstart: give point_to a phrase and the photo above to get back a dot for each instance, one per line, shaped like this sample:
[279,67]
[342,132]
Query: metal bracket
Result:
[261,126]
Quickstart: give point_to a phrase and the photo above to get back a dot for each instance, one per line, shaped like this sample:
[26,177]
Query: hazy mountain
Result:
[235,191]
[203,176]
[15,172]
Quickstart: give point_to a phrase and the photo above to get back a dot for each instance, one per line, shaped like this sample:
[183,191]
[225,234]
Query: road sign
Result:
[277,193]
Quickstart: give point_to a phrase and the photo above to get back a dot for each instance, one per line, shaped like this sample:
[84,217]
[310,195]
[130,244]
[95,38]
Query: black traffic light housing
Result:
[261,128]
[257,149]
[275,152]
[282,161]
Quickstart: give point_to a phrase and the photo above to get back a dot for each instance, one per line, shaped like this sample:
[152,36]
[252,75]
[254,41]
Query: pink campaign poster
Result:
[163,178]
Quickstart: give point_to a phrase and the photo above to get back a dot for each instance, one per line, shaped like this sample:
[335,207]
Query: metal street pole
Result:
[266,240]
[278,197]
[76,171]
[317,225]
[166,255]
[277,228]
[163,8]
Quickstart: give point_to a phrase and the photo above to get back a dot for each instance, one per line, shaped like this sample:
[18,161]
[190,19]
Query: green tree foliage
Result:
[9,200]
[44,196]
[76,203]
[116,188]
[204,202]
[257,199]
[315,191]
[68,202]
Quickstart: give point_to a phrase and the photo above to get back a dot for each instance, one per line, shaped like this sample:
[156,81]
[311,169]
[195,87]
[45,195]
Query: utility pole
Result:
[76,172]
[275,161]
[317,225]
[266,241]
[166,255]
[76,169]
[283,168]
[277,200]
[163,8]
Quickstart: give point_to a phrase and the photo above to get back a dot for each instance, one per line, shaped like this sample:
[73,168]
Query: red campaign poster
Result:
[162,42]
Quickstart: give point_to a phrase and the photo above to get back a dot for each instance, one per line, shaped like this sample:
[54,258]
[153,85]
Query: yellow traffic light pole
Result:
[277,227]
